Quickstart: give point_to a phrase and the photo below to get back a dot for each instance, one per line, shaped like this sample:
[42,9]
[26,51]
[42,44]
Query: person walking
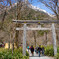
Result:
[36,50]
[32,50]
[28,48]
[43,51]
[39,50]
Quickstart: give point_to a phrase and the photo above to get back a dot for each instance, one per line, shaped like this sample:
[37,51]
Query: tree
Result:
[5,6]
[19,7]
[53,5]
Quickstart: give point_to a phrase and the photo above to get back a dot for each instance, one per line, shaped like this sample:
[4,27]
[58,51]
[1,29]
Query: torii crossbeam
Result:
[36,21]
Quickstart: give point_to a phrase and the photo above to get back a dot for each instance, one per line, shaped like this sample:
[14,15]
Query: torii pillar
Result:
[54,39]
[24,40]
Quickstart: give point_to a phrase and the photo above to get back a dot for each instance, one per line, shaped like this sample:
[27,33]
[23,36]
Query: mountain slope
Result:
[32,13]
[38,9]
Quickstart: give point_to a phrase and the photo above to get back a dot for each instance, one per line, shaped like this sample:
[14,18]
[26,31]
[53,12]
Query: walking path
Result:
[36,56]
[44,57]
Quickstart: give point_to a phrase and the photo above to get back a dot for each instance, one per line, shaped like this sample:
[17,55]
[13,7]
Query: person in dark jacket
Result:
[43,51]
[39,49]
[32,50]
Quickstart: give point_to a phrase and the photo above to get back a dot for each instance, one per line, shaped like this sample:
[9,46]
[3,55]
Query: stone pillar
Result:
[24,40]
[54,39]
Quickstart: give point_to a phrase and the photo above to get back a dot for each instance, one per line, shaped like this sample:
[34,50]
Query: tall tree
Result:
[18,17]
[53,5]
[4,6]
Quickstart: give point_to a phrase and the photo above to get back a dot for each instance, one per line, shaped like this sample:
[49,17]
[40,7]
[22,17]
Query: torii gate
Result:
[25,28]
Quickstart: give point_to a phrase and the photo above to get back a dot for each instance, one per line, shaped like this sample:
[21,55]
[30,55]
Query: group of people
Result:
[39,50]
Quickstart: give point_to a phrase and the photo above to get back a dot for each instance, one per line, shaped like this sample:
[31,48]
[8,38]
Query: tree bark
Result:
[57,36]
[9,41]
[45,38]
[19,5]
[34,37]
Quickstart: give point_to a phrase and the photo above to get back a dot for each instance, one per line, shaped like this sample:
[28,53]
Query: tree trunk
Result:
[19,5]
[9,45]
[57,36]
[34,37]
[12,47]
[57,17]
[17,35]
[45,38]
[9,42]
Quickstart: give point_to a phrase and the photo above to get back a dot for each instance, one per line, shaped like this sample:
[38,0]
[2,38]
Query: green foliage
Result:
[27,54]
[42,32]
[58,49]
[49,51]
[57,56]
[17,54]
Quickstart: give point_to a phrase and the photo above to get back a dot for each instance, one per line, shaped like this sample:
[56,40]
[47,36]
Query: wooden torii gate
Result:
[25,28]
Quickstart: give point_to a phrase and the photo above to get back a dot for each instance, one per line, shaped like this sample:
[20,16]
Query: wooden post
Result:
[54,39]
[24,40]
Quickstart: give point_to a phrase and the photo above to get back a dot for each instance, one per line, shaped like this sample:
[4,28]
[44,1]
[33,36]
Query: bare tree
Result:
[6,5]
[53,5]
[18,17]
[3,8]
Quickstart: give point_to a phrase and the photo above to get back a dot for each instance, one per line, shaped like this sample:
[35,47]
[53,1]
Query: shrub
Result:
[49,51]
[17,54]
[27,54]
[57,56]
[58,49]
